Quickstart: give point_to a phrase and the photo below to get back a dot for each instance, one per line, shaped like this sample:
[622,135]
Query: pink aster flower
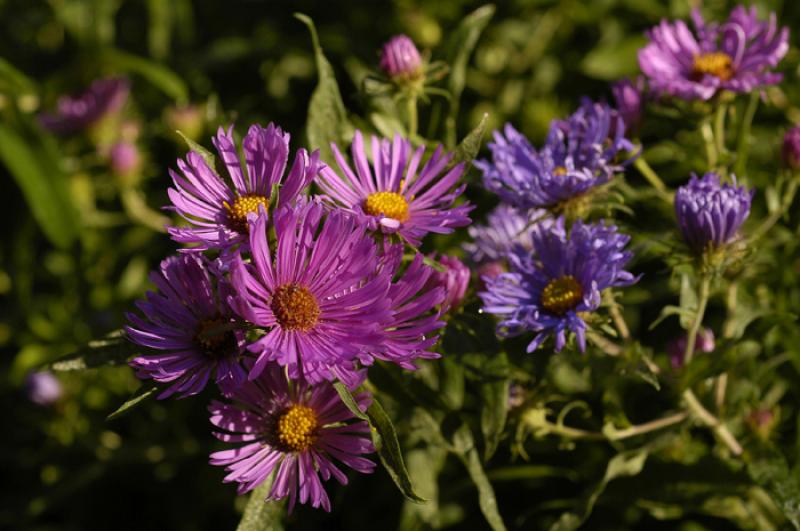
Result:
[393,194]
[216,211]
[191,325]
[292,431]
[75,113]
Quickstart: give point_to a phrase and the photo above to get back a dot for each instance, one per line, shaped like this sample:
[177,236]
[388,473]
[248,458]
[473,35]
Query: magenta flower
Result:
[216,212]
[790,150]
[737,55]
[400,58]
[75,113]
[293,431]
[455,281]
[125,159]
[394,195]
[190,322]
[316,292]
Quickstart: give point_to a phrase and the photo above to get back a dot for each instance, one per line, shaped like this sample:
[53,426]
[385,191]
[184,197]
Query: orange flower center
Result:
[561,295]
[297,428]
[241,207]
[390,204]
[559,171]
[295,307]
[718,64]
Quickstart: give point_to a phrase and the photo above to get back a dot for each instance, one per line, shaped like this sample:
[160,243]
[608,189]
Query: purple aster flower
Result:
[709,213]
[394,195]
[578,156]
[189,321]
[316,292]
[216,212]
[704,342]
[125,158]
[629,98]
[506,227]
[547,290]
[791,148]
[400,58]
[455,281]
[74,113]
[736,55]
[293,431]
[42,388]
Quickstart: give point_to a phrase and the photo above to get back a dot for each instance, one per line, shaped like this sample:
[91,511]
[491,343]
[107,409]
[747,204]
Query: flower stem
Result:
[613,434]
[708,137]
[742,141]
[719,128]
[652,177]
[616,316]
[773,218]
[411,109]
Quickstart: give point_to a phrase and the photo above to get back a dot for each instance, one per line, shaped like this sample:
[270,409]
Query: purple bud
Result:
[762,421]
[400,58]
[630,101]
[703,343]
[125,159]
[791,148]
[516,395]
[455,281]
[43,388]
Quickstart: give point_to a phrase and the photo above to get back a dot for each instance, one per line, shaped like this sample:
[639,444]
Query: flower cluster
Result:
[277,295]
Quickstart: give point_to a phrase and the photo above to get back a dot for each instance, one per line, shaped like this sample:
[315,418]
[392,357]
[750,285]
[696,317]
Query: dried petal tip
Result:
[400,58]
[791,148]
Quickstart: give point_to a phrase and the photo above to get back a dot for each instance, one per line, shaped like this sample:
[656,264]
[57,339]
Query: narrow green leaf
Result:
[688,302]
[155,73]
[13,81]
[465,449]
[384,437]
[460,48]
[468,149]
[205,154]
[261,514]
[113,349]
[767,466]
[43,184]
[141,395]
[495,407]
[327,118]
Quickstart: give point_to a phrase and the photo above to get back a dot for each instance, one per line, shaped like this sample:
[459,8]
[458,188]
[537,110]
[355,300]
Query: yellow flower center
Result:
[295,307]
[559,171]
[718,64]
[390,204]
[241,207]
[561,295]
[213,339]
[297,428]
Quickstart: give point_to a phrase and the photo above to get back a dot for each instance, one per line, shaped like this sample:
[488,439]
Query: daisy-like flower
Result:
[75,113]
[292,431]
[737,55]
[578,155]
[547,291]
[710,214]
[190,322]
[316,292]
[394,194]
[216,209]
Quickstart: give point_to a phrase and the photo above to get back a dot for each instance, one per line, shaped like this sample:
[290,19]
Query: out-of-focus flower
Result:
[125,159]
[516,395]
[454,280]
[400,59]
[316,291]
[75,113]
[710,214]
[394,195]
[762,421]
[791,148]
[704,342]
[578,155]
[737,55]
[43,388]
[629,99]
[505,227]
[188,119]
[549,290]
[218,214]
[292,431]
[191,323]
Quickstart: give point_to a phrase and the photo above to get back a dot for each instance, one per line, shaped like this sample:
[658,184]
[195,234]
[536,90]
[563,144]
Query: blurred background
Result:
[82,228]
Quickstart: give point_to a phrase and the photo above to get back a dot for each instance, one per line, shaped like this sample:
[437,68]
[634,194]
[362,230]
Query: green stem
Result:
[612,435]
[702,301]
[260,513]
[743,138]
[719,128]
[708,138]
[616,316]
[652,177]
[778,214]
[411,109]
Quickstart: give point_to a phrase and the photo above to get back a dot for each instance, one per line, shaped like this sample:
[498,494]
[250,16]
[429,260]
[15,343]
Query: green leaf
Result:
[464,447]
[141,395]
[614,59]
[460,48]
[384,437]
[205,154]
[13,81]
[113,349]
[768,467]
[43,184]
[261,514]
[327,118]
[495,406]
[468,149]
[155,73]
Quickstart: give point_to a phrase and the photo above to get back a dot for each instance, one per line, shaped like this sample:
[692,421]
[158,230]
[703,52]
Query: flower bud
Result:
[791,148]
[677,349]
[629,99]
[125,159]
[455,281]
[400,59]
[188,119]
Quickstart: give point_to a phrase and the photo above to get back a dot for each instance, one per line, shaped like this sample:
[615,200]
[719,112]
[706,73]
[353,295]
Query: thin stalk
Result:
[743,137]
[652,177]
[411,109]
[617,435]
[719,128]
[616,316]
[708,138]
[702,301]
[778,214]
